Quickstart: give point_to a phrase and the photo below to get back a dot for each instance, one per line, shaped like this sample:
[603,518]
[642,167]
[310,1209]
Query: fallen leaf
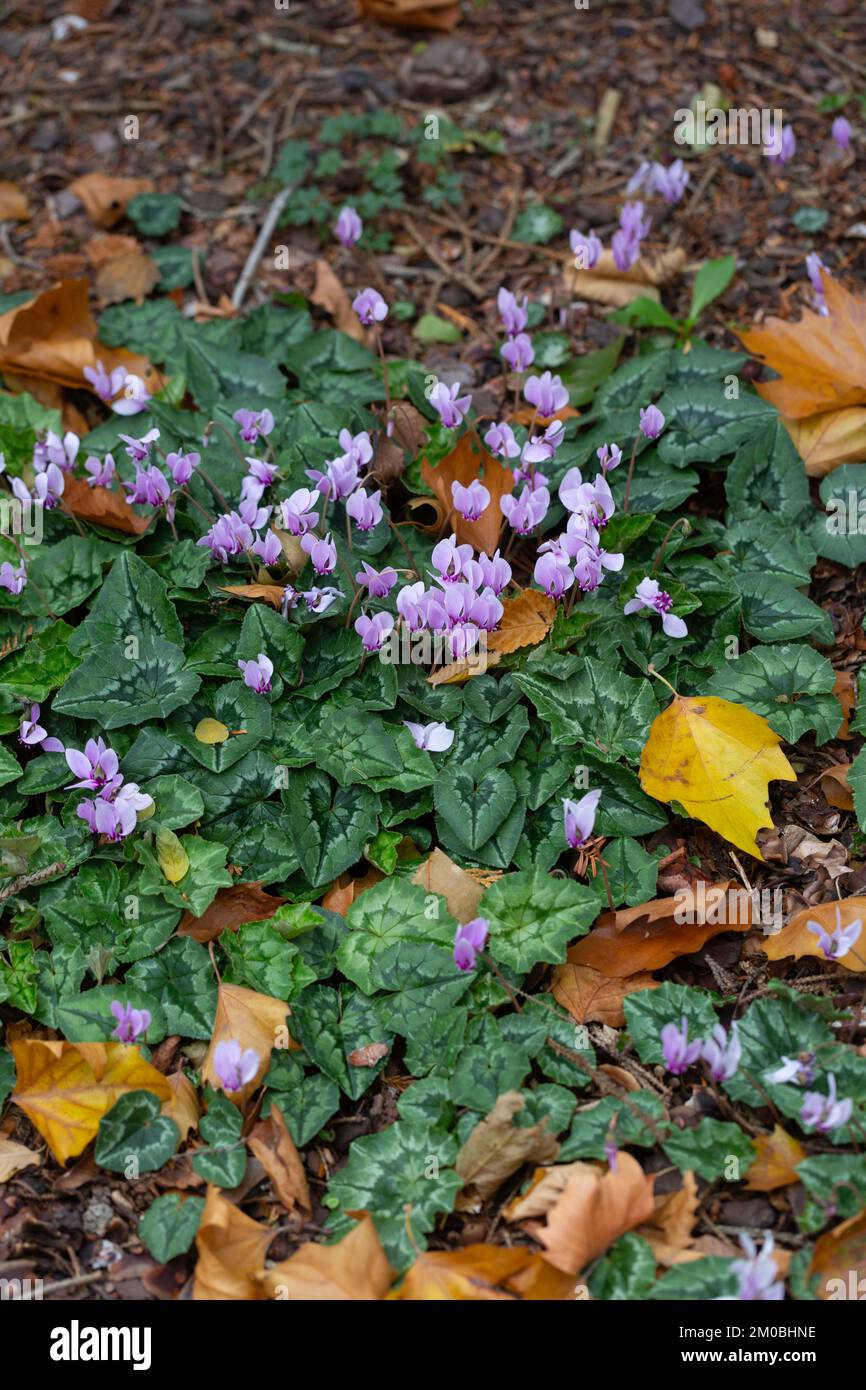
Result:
[65,1089]
[14,206]
[269,593]
[130,276]
[604,284]
[497,1147]
[356,1268]
[231,1252]
[105,198]
[183,1107]
[475,1274]
[457,672]
[834,785]
[839,1259]
[827,440]
[243,902]
[440,15]
[526,621]
[669,1229]
[254,1020]
[274,1147]
[775,1161]
[539,1282]
[591,997]
[650,935]
[15,1157]
[345,889]
[845,690]
[369,1055]
[821,360]
[171,855]
[330,294]
[715,758]
[544,1191]
[107,245]
[210,731]
[462,894]
[796,940]
[467,461]
[594,1210]
[103,506]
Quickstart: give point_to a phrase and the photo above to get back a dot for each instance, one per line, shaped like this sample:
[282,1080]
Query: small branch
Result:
[264,236]
[30,880]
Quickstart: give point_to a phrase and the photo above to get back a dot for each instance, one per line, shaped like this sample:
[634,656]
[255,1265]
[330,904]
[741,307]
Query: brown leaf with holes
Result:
[462,893]
[839,1259]
[129,276]
[104,507]
[497,1147]
[14,206]
[231,1252]
[591,997]
[775,1162]
[272,1144]
[796,940]
[105,198]
[469,460]
[648,936]
[330,294]
[243,902]
[596,1208]
[356,1268]
[821,360]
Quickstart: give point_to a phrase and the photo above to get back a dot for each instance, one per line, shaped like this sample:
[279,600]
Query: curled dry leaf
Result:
[825,441]
[268,593]
[835,786]
[105,199]
[368,1056]
[796,940]
[329,294]
[254,1020]
[272,1144]
[440,15]
[64,1090]
[356,1268]
[545,1189]
[821,360]
[231,1252]
[243,902]
[775,1162]
[594,1210]
[183,1107]
[670,1228]
[14,1158]
[103,506]
[650,935]
[845,690]
[14,206]
[477,1273]
[604,284]
[467,461]
[462,893]
[715,758]
[496,1148]
[526,621]
[592,997]
[839,1259]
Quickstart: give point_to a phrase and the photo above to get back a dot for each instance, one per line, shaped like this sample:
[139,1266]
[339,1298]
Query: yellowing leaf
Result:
[715,759]
[14,1157]
[497,1147]
[775,1162]
[827,440]
[183,1107]
[253,1020]
[355,1268]
[211,731]
[171,855]
[231,1252]
[796,940]
[65,1089]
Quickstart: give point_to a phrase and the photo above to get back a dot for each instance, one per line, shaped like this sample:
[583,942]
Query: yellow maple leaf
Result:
[65,1089]
[715,758]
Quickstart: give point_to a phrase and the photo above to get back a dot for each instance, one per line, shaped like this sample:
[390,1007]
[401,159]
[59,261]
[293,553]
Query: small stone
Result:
[446,70]
[688,14]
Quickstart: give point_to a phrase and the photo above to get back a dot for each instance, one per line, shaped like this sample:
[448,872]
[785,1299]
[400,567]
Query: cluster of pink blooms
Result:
[113,812]
[125,392]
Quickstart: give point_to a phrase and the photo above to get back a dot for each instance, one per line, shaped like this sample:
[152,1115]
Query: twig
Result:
[30,880]
[264,236]
[452,272]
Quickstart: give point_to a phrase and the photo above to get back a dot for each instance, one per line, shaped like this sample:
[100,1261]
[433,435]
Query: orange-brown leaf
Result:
[356,1268]
[775,1162]
[840,1254]
[591,997]
[827,440]
[243,902]
[648,936]
[255,1021]
[231,1252]
[104,507]
[796,940]
[469,460]
[526,621]
[475,1274]
[594,1210]
[439,15]
[14,206]
[269,593]
[105,198]
[274,1147]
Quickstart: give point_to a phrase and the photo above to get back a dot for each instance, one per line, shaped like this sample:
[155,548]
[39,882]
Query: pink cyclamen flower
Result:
[757,1275]
[235,1066]
[431,738]
[501,442]
[469,941]
[470,501]
[841,132]
[678,1052]
[101,474]
[105,384]
[230,535]
[132,1023]
[357,447]
[13,580]
[837,943]
[114,819]
[62,452]
[134,396]
[553,574]
[587,249]
[322,552]
[379,583]
[722,1053]
[32,734]
[523,514]
[150,488]
[814,267]
[370,307]
[780,146]
[339,479]
[609,457]
[547,394]
[182,466]
[257,674]
[518,352]
[450,559]
[611,1153]
[449,406]
[825,1113]
[652,422]
[541,448]
[319,600]
[799,1070]
[252,423]
[625,249]
[348,226]
[95,767]
[495,571]
[299,511]
[268,548]
[139,449]
[366,512]
[650,595]
[514,315]
[373,631]
[579,818]
[670,182]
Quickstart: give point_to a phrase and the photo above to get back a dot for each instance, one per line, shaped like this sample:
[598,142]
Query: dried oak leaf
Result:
[775,1161]
[105,198]
[796,940]
[243,902]
[648,936]
[356,1268]
[183,1107]
[836,788]
[592,997]
[231,1252]
[497,1147]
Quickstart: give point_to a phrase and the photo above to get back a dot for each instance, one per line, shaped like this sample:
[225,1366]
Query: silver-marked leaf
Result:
[116,690]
